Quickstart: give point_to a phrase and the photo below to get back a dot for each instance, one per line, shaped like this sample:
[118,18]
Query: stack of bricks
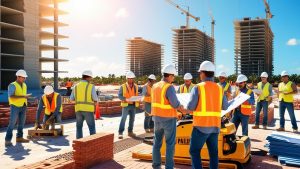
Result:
[297,104]
[50,164]
[4,116]
[92,150]
[270,115]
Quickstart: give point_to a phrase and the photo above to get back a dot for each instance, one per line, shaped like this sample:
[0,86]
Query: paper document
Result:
[135,98]
[184,98]
[29,94]
[257,91]
[236,102]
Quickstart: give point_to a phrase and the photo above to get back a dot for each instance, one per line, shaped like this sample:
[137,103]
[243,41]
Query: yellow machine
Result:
[234,151]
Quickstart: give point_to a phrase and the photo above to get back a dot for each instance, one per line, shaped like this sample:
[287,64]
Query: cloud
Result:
[222,67]
[122,13]
[104,35]
[224,50]
[95,64]
[292,42]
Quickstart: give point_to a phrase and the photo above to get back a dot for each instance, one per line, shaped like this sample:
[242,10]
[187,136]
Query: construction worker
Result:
[84,94]
[188,85]
[263,100]
[241,114]
[17,97]
[148,122]
[53,108]
[287,89]
[127,90]
[69,84]
[164,114]
[207,100]
[225,85]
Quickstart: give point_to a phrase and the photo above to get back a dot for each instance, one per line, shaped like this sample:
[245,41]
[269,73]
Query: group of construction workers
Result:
[207,99]
[162,108]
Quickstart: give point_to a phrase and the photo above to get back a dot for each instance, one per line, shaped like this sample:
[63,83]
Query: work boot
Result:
[8,143]
[22,140]
[255,127]
[120,136]
[280,129]
[295,130]
[131,134]
[265,127]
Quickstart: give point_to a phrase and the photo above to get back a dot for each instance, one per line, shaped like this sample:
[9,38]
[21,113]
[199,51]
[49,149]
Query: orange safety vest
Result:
[147,98]
[160,105]
[69,84]
[246,106]
[128,92]
[208,110]
[50,109]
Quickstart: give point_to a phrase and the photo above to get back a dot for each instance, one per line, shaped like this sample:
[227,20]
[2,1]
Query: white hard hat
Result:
[187,76]
[130,75]
[222,74]
[207,66]
[284,73]
[21,73]
[241,78]
[87,73]
[48,90]
[169,69]
[264,74]
[152,76]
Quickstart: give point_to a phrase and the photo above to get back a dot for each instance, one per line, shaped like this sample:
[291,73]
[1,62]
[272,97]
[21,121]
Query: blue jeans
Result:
[57,118]
[161,129]
[148,122]
[262,105]
[129,110]
[198,139]
[290,108]
[238,118]
[16,113]
[90,120]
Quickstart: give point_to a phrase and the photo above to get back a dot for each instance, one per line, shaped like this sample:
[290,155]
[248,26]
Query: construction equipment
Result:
[234,151]
[186,12]
[268,10]
[43,133]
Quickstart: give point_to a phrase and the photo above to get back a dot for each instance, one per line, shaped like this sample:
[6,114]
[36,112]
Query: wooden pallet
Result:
[46,133]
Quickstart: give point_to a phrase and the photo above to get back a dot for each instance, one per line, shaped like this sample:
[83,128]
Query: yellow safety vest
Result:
[83,97]
[184,89]
[286,88]
[265,91]
[50,108]
[20,91]
[128,93]
[226,86]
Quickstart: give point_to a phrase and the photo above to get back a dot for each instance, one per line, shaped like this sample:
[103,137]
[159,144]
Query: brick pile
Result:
[270,115]
[92,150]
[87,152]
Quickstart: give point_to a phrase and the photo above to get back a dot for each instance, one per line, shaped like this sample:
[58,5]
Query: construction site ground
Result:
[44,148]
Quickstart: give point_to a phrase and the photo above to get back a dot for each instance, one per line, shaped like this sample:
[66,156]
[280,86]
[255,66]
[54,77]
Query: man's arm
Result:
[194,98]
[94,94]
[171,96]
[144,91]
[39,110]
[120,94]
[58,105]
[251,100]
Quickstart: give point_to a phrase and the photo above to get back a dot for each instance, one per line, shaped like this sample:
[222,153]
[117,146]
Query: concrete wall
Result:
[32,42]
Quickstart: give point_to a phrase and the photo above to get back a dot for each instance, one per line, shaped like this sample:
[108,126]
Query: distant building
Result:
[253,46]
[190,48]
[22,23]
[144,57]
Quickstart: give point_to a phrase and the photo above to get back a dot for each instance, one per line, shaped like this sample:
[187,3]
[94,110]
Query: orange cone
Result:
[97,112]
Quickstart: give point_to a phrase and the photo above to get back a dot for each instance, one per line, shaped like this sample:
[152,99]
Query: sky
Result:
[98,30]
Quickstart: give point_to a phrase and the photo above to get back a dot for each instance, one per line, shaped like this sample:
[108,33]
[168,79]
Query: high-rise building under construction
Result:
[253,46]
[190,48]
[144,57]
[25,24]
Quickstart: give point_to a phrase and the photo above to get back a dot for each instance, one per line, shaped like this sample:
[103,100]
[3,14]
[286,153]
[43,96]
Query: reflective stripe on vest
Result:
[208,111]
[83,97]
[183,88]
[129,92]
[286,88]
[246,106]
[50,109]
[265,91]
[147,98]
[20,91]
[160,105]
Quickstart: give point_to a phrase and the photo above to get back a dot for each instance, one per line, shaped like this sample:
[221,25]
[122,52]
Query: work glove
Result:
[50,120]
[37,125]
